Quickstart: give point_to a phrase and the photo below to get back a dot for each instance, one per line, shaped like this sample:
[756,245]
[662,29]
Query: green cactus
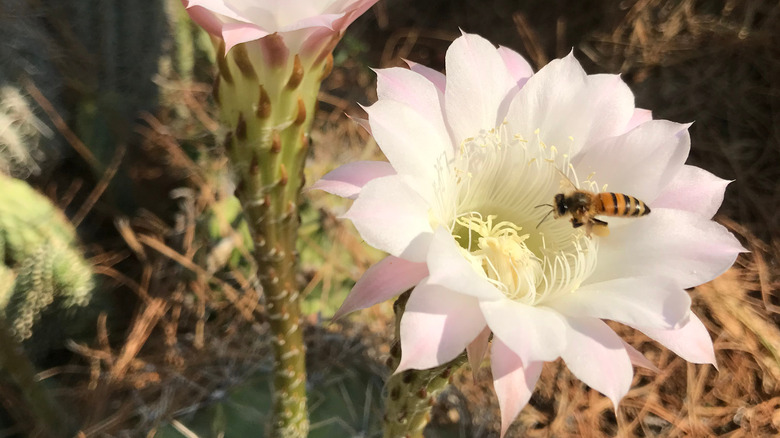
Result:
[44,279]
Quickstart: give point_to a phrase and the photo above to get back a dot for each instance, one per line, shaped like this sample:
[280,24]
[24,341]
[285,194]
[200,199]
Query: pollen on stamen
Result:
[502,254]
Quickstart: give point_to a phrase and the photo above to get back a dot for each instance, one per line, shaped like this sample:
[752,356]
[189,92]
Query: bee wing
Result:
[565,184]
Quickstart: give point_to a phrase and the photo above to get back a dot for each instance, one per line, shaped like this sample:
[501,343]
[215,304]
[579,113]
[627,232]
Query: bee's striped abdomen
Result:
[618,204]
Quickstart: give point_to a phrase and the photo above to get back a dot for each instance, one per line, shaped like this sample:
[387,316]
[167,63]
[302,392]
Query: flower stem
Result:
[268,102]
[274,238]
[411,394]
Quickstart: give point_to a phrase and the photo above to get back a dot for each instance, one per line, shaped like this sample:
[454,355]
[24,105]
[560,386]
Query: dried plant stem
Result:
[267,97]
[411,394]
[51,418]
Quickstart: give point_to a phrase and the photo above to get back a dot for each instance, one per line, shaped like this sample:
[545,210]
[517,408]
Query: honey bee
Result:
[583,206]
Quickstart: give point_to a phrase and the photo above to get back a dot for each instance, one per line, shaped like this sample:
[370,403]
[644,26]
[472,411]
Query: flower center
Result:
[501,252]
[494,197]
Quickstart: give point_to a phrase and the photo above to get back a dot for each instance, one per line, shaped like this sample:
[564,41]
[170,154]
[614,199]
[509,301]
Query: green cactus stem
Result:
[44,279]
[411,394]
[49,282]
[267,97]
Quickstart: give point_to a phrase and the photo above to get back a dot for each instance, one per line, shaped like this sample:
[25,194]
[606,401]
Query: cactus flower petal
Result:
[517,66]
[477,83]
[414,150]
[436,78]
[656,302]
[691,341]
[688,247]
[693,189]
[650,156]
[378,218]
[595,354]
[639,359]
[562,91]
[386,279]
[347,180]
[513,381]
[640,116]
[437,326]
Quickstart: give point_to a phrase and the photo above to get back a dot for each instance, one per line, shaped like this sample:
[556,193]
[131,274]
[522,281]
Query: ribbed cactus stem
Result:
[267,97]
[411,394]
[51,418]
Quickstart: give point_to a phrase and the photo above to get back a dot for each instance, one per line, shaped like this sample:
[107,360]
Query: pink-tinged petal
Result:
[323,40]
[518,67]
[436,326]
[347,180]
[204,18]
[596,355]
[649,157]
[414,90]
[640,116]
[237,33]
[676,244]
[314,43]
[639,359]
[535,333]
[691,341]
[218,7]
[477,84]
[321,20]
[436,78]
[354,10]
[650,301]
[569,108]
[391,216]
[613,101]
[382,281]
[476,350]
[408,87]
[411,143]
[694,190]
[449,268]
[513,381]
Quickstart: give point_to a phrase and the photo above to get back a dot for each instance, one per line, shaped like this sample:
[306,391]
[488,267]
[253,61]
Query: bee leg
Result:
[596,221]
[576,223]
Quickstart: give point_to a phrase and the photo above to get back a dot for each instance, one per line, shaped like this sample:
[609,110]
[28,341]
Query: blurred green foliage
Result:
[44,279]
